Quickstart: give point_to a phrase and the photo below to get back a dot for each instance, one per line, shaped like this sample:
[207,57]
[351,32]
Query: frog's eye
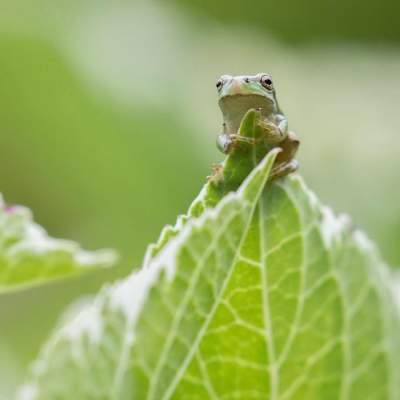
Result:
[266,81]
[219,84]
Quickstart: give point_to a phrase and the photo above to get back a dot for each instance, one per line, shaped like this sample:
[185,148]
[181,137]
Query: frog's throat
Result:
[234,107]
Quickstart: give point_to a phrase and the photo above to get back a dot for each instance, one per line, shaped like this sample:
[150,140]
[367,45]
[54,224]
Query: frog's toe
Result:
[284,169]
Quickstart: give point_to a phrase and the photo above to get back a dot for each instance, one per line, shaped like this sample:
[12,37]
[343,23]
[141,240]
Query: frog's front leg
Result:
[227,141]
[275,131]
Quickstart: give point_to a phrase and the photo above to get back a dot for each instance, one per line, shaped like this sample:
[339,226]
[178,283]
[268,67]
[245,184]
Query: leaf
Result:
[260,292]
[29,256]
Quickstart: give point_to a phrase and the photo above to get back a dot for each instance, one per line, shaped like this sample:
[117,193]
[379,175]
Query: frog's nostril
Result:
[247,80]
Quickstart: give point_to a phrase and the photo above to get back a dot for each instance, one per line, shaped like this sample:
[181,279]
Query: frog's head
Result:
[238,94]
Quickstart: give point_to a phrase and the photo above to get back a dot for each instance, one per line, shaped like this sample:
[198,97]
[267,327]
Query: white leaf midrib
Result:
[168,393]
[209,318]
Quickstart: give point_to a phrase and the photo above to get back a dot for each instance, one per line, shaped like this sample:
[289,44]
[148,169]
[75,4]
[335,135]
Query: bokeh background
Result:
[108,117]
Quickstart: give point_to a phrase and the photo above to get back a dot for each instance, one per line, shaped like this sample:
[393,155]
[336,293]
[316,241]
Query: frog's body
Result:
[237,95]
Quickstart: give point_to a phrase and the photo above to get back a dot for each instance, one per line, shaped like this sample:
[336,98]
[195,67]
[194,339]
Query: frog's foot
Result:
[227,142]
[274,131]
[283,169]
[216,174]
[216,170]
[238,139]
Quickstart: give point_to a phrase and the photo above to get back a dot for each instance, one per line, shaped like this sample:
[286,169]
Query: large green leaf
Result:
[29,256]
[260,292]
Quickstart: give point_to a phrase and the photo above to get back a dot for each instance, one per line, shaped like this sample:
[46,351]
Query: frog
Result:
[239,94]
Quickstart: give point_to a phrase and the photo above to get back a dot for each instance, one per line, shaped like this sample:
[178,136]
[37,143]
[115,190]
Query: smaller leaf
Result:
[29,256]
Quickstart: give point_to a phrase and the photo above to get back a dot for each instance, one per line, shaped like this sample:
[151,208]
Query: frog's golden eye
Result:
[266,81]
[219,84]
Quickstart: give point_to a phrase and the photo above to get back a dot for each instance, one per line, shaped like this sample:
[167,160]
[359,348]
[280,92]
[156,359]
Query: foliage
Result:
[29,256]
[259,292]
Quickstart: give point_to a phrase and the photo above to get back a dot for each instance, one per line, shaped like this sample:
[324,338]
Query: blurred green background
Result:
[108,117]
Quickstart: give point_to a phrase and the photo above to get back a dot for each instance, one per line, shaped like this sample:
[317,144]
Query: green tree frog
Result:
[237,95]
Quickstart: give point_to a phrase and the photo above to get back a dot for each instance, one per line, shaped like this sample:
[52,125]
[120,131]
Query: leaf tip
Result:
[104,258]
[254,184]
